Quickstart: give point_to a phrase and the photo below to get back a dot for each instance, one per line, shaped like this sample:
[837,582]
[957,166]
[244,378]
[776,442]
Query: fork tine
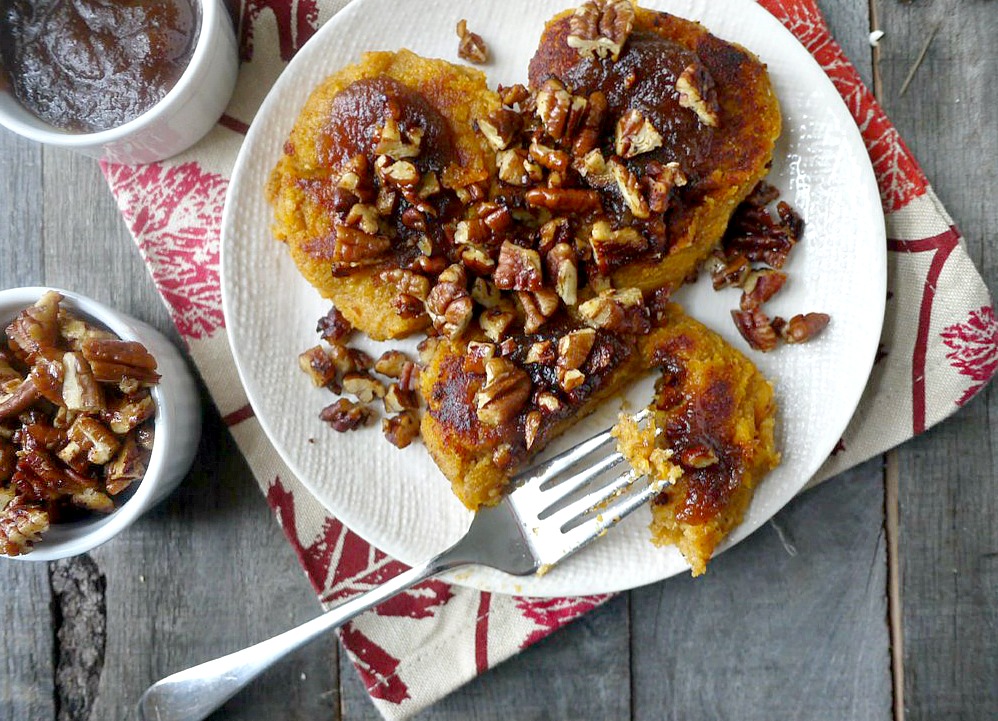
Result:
[591,528]
[591,501]
[563,461]
[543,502]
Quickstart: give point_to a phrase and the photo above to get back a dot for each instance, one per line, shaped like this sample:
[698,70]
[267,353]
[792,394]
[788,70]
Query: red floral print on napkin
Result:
[175,214]
[297,21]
[974,345]
[550,614]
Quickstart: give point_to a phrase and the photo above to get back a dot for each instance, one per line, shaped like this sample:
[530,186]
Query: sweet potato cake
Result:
[716,413]
[371,172]
[689,126]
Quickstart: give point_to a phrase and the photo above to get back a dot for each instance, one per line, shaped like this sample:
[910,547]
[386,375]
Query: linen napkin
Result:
[938,348]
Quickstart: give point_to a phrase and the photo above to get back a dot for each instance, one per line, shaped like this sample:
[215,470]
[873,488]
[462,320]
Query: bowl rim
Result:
[210,15]
[104,527]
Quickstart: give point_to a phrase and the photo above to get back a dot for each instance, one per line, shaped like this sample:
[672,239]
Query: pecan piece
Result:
[618,311]
[398,399]
[564,200]
[697,92]
[401,429]
[124,414]
[92,439]
[574,348]
[35,330]
[570,379]
[318,365]
[802,328]
[516,168]
[531,426]
[698,456]
[392,144]
[485,293]
[353,247]
[550,158]
[478,353]
[18,400]
[635,135]
[501,128]
[333,327]
[127,467]
[363,385]
[554,108]
[630,189]
[542,352]
[450,307]
[471,47]
[601,27]
[505,391]
[518,268]
[496,322]
[659,182]
[21,526]
[591,125]
[391,363]
[756,328]
[611,247]
[563,268]
[727,272]
[759,286]
[345,415]
[538,306]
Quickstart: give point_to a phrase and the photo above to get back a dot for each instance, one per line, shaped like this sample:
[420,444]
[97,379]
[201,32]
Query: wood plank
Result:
[26,635]
[207,572]
[581,671]
[948,497]
[789,627]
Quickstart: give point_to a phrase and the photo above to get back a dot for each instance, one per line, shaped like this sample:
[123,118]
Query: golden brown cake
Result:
[369,176]
[716,413]
[689,117]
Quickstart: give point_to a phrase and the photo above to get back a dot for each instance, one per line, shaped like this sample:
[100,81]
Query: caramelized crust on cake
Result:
[340,141]
[478,457]
[717,416]
[723,147]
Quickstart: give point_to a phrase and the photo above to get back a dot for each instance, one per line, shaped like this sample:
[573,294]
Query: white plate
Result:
[398,500]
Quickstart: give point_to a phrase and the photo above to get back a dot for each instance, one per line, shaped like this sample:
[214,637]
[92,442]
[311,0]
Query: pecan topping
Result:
[500,128]
[630,189]
[802,328]
[80,390]
[401,429]
[601,27]
[394,145]
[613,246]
[563,268]
[401,173]
[515,167]
[531,425]
[542,352]
[756,328]
[550,158]
[591,125]
[592,166]
[659,181]
[21,526]
[354,248]
[555,106]
[570,379]
[753,233]
[538,306]
[518,268]
[759,286]
[618,311]
[635,135]
[35,330]
[363,385]
[364,217]
[391,363]
[90,438]
[485,293]
[112,360]
[318,366]
[496,322]
[125,415]
[513,95]
[450,307]
[548,402]
[476,259]
[564,200]
[478,353]
[398,399]
[727,272]
[333,327]
[345,415]
[698,456]
[574,348]
[471,47]
[697,92]
[505,392]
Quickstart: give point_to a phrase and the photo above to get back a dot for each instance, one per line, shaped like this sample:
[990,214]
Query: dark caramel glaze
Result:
[88,65]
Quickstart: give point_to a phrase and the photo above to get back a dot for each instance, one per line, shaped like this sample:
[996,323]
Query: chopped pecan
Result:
[554,108]
[18,400]
[659,181]
[594,169]
[505,391]
[354,247]
[409,378]
[630,189]
[570,379]
[471,47]
[697,92]
[554,231]
[401,429]
[363,385]
[476,259]
[753,233]
[391,363]
[516,168]
[563,268]
[363,216]
[618,311]
[8,461]
[762,194]
[591,125]
[538,306]
[478,353]
[21,526]
[318,365]
[401,173]
[125,414]
[513,95]
[601,27]
[518,268]
[450,307]
[35,330]
[93,500]
[496,322]
[92,438]
[611,247]
[542,352]
[574,347]
[407,282]
[357,179]
[485,293]
[759,286]
[802,328]
[333,327]
[531,426]
[127,467]
[501,128]
[76,330]
[756,328]
[47,375]
[548,402]
[345,415]
[399,399]
[635,135]
[564,200]
[392,143]
[550,158]
[729,271]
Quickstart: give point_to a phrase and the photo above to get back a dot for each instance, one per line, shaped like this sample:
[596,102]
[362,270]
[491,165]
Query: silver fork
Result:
[548,516]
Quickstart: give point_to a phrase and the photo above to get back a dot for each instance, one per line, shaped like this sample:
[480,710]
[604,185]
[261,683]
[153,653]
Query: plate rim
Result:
[479,581]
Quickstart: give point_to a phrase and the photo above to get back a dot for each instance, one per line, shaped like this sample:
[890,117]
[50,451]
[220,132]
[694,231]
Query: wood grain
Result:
[947,492]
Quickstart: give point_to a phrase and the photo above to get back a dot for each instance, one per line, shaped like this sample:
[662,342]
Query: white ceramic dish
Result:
[399,500]
[184,115]
[177,426]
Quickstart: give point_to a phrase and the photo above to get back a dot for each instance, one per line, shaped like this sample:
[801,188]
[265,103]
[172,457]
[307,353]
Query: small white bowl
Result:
[184,115]
[177,426]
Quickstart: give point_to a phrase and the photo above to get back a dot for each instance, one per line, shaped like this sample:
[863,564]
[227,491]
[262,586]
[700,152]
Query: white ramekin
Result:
[180,119]
[177,426]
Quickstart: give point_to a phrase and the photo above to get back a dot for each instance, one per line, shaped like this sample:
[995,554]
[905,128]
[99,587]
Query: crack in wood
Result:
[79,620]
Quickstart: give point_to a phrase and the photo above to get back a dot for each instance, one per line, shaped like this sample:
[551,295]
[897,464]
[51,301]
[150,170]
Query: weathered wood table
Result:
[874,596]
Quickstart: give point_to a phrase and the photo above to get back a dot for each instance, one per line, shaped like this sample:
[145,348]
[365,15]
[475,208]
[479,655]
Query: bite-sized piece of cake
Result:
[492,406]
[380,159]
[670,125]
[716,413]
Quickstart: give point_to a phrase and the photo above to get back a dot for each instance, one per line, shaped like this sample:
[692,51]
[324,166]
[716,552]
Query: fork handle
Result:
[191,695]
